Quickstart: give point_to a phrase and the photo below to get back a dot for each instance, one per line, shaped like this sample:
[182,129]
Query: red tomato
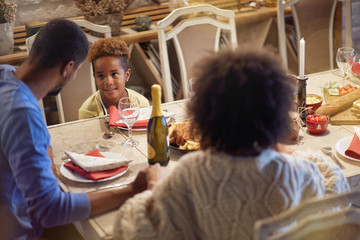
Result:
[309,117]
[346,89]
[322,118]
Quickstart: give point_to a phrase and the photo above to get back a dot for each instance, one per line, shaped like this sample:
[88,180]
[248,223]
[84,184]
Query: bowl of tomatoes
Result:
[317,123]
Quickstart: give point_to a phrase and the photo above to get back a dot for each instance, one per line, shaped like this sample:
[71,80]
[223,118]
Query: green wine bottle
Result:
[157,131]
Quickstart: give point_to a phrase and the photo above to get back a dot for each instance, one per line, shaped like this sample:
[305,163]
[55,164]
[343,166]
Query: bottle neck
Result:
[156,98]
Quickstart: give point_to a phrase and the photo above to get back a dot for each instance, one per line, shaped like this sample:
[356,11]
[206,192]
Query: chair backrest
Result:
[76,92]
[102,29]
[325,218]
[196,30]
[313,20]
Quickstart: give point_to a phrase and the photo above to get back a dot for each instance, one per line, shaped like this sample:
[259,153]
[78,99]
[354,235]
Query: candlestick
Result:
[302,58]
[301,104]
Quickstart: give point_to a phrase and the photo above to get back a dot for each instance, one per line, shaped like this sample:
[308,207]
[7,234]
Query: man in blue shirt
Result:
[30,194]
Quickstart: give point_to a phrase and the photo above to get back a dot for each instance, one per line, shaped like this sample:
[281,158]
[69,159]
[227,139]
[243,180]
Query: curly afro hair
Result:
[110,47]
[242,101]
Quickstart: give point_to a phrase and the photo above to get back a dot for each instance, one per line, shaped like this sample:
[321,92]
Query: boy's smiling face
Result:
[110,79]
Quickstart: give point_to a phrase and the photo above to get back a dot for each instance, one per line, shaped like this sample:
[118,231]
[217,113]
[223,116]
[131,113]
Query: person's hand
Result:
[155,173]
[280,147]
[140,182]
[147,178]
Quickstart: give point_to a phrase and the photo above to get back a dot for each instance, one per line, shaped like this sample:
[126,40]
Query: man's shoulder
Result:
[7,67]
[6,74]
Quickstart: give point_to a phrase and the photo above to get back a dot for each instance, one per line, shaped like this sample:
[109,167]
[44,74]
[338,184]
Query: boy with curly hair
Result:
[109,58]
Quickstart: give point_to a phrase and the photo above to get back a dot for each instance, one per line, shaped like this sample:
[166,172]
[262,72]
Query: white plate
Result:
[342,145]
[180,150]
[144,115]
[73,176]
[139,129]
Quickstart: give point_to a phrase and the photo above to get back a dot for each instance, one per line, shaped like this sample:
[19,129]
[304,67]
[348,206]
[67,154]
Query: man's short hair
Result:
[58,42]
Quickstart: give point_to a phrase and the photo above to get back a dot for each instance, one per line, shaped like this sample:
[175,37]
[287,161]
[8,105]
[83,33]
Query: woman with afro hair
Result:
[241,174]
[109,58]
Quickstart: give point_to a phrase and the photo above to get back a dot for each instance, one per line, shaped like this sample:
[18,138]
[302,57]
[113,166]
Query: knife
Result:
[116,185]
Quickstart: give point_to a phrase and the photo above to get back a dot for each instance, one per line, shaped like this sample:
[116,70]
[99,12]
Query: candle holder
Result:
[301,98]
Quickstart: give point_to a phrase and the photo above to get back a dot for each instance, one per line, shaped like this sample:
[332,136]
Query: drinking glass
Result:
[129,113]
[191,87]
[345,59]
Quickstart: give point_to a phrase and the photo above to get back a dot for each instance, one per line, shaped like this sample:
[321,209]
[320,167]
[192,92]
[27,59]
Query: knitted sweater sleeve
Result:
[132,220]
[335,181]
[146,215]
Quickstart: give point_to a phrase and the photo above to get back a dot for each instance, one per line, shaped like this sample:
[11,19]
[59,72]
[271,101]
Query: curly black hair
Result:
[242,101]
[110,47]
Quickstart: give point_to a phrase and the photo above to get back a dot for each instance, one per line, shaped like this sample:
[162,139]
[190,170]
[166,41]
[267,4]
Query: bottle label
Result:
[151,152]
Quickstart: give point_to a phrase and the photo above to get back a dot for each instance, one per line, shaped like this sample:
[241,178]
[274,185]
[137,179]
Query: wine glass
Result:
[345,59]
[191,87]
[129,112]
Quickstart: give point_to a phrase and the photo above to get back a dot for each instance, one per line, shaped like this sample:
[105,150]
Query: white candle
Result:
[302,58]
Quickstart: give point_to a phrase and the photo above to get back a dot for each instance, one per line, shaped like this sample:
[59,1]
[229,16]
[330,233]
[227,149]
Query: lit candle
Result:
[302,58]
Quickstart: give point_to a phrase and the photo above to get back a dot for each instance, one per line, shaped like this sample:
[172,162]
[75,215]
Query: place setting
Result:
[349,146]
[130,117]
[355,69]
[346,62]
[94,166]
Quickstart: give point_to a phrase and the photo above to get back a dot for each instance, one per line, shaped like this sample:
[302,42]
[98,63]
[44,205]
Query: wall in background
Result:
[44,10]
[356,25]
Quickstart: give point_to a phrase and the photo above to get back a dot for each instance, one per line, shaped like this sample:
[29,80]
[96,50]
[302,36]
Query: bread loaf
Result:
[340,103]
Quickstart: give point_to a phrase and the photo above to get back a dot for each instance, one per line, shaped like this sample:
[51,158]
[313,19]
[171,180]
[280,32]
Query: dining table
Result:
[85,135]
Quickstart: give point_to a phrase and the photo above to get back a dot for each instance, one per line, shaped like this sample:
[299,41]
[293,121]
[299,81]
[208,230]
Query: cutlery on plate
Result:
[328,151]
[110,186]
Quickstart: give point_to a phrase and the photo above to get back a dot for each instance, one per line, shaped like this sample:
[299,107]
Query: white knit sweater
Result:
[212,195]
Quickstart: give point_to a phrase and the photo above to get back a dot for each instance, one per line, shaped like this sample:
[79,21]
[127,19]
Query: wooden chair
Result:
[313,20]
[29,41]
[196,31]
[326,218]
[69,100]
[77,91]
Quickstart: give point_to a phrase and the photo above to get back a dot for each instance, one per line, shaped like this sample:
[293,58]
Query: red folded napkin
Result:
[96,175]
[114,116]
[356,68]
[354,148]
